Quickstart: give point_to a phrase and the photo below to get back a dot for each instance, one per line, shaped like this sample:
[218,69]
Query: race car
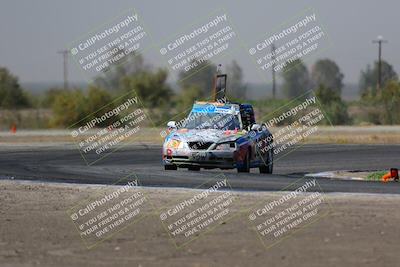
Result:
[221,135]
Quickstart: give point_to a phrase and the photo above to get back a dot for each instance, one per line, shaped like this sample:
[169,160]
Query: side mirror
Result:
[255,127]
[171,124]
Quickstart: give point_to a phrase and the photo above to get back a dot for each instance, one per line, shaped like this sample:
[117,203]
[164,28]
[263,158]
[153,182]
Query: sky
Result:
[33,31]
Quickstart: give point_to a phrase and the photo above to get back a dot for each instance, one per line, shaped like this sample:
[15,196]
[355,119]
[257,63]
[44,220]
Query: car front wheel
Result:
[268,164]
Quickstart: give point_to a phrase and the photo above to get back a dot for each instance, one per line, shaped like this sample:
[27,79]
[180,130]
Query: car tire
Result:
[268,165]
[170,167]
[246,166]
[194,168]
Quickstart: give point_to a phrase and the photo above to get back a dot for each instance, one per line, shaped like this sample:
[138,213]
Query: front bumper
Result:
[201,158]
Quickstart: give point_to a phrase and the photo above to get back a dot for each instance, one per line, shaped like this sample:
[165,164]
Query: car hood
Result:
[206,135]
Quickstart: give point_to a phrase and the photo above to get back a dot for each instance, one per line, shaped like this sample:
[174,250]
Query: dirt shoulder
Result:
[360,229]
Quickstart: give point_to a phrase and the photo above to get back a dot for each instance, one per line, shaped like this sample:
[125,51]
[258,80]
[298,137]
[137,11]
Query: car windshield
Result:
[221,121]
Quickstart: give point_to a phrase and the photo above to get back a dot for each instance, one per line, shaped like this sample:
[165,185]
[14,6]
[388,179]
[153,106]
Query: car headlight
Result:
[226,146]
[173,143]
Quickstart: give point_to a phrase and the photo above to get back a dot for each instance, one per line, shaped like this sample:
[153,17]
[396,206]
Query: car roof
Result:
[217,104]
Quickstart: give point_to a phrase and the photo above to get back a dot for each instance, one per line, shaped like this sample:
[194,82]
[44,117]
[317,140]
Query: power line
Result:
[65,54]
[379,41]
[273,71]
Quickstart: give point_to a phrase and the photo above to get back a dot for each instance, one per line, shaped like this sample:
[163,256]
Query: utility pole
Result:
[273,71]
[65,54]
[379,41]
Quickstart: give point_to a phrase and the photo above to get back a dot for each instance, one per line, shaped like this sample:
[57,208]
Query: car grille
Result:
[199,145]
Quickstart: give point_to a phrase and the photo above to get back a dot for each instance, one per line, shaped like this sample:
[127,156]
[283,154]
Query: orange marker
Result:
[13,128]
[392,174]
[386,177]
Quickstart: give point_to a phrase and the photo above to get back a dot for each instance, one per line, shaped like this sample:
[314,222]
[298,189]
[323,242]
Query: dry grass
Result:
[356,135]
[324,135]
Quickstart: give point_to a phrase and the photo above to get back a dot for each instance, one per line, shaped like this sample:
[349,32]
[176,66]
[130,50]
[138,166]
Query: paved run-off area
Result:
[359,230]
[65,164]
[35,229]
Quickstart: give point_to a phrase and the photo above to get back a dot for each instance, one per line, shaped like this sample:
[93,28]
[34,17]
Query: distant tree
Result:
[235,85]
[201,76]
[153,91]
[73,106]
[327,73]
[98,101]
[151,87]
[390,100]
[49,97]
[188,97]
[11,93]
[326,95]
[69,107]
[369,78]
[333,105]
[132,73]
[112,77]
[97,98]
[296,79]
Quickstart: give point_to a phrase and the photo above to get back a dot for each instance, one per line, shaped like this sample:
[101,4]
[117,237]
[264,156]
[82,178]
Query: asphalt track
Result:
[65,164]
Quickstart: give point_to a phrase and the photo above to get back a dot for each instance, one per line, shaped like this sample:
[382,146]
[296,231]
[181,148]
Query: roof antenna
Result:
[219,68]
[219,88]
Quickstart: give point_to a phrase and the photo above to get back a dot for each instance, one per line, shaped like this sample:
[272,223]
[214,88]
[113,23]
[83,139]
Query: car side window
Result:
[247,115]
